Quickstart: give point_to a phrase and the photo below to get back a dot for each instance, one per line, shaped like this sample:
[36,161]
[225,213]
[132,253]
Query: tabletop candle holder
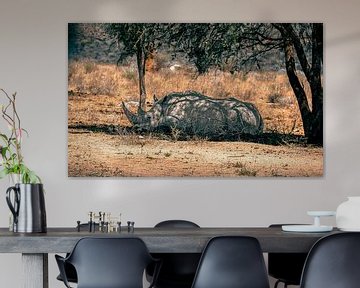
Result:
[315,227]
[104,222]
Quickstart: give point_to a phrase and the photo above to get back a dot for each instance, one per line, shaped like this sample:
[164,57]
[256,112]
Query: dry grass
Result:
[105,86]
[95,95]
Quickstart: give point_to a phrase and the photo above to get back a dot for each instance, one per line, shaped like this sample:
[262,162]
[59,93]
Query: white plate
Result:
[306,228]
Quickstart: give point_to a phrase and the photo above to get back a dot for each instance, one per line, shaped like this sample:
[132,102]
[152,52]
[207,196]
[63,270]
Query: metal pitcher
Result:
[27,207]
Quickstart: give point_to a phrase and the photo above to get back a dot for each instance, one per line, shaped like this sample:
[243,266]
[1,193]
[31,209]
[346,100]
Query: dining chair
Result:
[232,262]
[285,267]
[69,269]
[178,269]
[108,263]
[333,262]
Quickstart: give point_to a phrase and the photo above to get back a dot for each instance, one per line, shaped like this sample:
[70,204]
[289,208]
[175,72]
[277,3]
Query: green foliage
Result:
[12,161]
[136,37]
[27,175]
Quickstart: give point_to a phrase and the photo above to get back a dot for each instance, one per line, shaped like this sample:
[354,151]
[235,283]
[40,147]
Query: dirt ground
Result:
[100,154]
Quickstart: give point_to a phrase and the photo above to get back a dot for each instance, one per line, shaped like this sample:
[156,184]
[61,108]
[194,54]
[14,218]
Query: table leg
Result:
[35,270]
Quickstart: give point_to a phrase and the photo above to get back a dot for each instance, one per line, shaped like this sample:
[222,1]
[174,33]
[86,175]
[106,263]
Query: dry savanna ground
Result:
[101,143]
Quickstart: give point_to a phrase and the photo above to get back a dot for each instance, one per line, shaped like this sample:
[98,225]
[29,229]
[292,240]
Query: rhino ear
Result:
[133,118]
[155,99]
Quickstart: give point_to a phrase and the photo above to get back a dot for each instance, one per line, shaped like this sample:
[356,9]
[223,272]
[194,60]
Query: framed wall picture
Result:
[195,99]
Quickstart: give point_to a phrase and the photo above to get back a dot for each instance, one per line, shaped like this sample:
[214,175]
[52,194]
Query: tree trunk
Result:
[295,83]
[141,59]
[315,134]
[312,118]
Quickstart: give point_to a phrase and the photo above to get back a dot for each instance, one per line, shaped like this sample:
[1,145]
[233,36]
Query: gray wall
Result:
[33,62]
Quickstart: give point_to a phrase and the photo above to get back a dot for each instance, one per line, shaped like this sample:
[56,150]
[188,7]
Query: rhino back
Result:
[194,113]
[242,116]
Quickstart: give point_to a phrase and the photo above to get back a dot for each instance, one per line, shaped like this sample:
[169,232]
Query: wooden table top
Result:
[158,240]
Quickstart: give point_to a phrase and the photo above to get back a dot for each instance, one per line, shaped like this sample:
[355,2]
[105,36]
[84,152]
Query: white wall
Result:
[33,62]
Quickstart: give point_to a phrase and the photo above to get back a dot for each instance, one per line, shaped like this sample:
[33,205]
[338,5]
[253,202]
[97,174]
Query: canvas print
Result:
[195,100]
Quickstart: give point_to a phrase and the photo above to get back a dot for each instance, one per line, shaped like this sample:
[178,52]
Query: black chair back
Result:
[178,269]
[69,269]
[108,262]
[333,262]
[176,224]
[232,261]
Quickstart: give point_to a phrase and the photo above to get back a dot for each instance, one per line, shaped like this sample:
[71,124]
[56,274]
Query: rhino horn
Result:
[133,118]
[155,98]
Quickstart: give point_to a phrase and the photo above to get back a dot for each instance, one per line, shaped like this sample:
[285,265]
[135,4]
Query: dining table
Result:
[35,247]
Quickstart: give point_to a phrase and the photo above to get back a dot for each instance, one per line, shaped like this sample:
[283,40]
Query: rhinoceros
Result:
[195,114]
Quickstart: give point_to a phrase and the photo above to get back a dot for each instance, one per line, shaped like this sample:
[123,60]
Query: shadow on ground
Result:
[268,138]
